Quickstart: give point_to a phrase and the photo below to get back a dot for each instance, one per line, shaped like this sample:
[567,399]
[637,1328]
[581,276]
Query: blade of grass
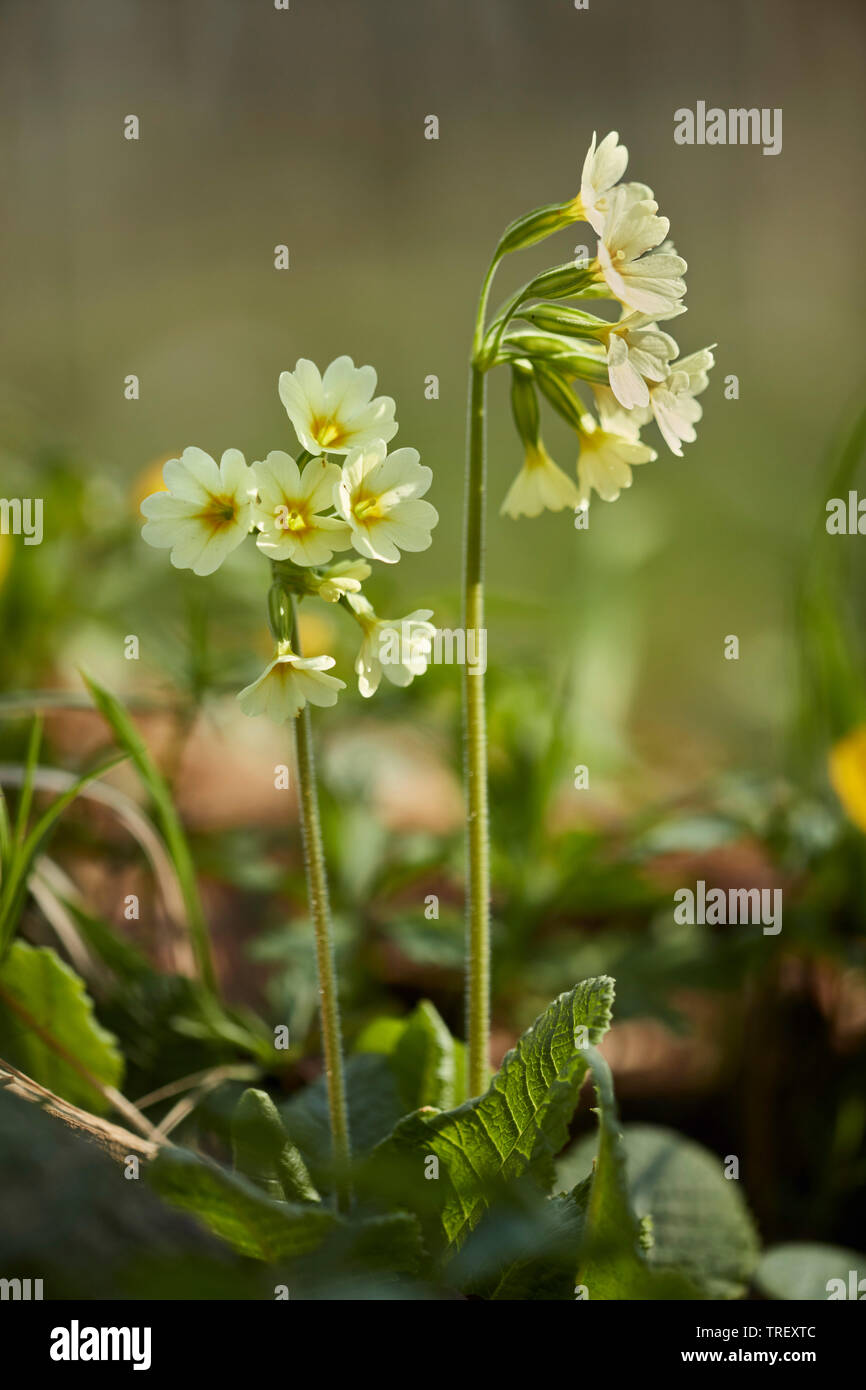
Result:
[173,833]
[15,884]
[25,800]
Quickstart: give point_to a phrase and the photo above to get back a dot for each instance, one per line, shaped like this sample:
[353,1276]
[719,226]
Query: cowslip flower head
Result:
[342,579]
[207,511]
[290,510]
[288,682]
[606,459]
[650,283]
[398,648]
[380,498]
[337,412]
[540,484]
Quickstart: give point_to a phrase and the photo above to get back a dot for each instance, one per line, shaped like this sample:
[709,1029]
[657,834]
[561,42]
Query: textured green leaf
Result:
[236,1209]
[700,1221]
[263,1152]
[518,1126]
[612,1262]
[47,1025]
[804,1272]
[424,1057]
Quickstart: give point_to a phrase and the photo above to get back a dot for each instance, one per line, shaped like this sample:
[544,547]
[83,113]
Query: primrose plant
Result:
[630,371]
[343,491]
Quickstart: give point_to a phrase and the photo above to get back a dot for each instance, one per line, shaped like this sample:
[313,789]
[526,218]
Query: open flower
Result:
[634,357]
[651,283]
[342,579]
[399,648]
[379,497]
[206,512]
[288,682]
[289,514]
[540,483]
[606,460]
[336,413]
[672,401]
[602,168]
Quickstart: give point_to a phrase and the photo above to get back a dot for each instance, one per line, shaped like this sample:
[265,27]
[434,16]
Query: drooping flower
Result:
[399,648]
[672,401]
[606,459]
[651,282]
[288,682]
[342,579]
[291,503]
[379,497]
[336,413]
[636,355]
[207,511]
[540,484]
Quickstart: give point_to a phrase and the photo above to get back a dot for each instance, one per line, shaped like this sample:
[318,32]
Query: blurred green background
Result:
[306,128]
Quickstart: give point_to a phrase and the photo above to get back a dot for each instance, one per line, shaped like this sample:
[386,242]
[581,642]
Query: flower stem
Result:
[475,726]
[317,889]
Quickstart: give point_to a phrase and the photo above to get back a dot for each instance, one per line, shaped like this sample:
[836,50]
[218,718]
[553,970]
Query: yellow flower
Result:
[205,511]
[337,412]
[847,766]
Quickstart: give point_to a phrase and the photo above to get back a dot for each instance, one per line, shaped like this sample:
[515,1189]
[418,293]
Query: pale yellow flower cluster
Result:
[301,511]
[631,365]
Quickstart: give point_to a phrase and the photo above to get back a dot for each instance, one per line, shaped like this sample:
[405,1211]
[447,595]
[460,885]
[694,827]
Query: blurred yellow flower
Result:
[847,766]
[149,481]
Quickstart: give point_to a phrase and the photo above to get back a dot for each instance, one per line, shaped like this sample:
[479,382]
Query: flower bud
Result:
[556,318]
[561,283]
[567,356]
[535,226]
[524,403]
[561,397]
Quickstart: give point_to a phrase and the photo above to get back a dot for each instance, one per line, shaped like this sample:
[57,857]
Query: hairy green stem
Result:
[317,889]
[475,726]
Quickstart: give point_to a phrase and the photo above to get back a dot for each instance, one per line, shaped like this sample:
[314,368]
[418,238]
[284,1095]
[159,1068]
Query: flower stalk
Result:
[475,721]
[317,891]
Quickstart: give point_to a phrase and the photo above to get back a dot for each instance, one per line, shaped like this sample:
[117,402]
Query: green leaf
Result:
[236,1209]
[48,1030]
[131,741]
[700,1221]
[423,1055]
[518,1126]
[374,1109]
[612,1262]
[806,1272]
[263,1152]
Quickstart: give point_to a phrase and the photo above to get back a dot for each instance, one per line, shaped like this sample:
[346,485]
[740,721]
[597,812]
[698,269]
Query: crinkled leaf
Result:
[237,1210]
[613,1262]
[424,1057]
[518,1126]
[263,1152]
[700,1221]
[47,1020]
